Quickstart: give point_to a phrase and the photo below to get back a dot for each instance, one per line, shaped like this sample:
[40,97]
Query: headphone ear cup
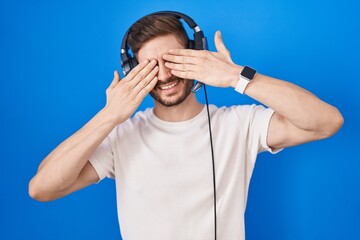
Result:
[191,44]
[126,67]
[133,62]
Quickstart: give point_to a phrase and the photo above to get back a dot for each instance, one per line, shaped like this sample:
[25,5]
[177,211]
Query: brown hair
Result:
[153,26]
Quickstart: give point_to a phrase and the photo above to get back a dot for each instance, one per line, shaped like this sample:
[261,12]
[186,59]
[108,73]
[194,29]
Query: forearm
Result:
[65,169]
[63,165]
[298,112]
[300,107]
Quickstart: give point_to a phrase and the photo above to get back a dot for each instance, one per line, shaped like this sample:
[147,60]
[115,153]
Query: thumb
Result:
[219,44]
[115,80]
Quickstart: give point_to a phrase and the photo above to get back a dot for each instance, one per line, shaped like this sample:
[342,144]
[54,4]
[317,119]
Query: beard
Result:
[166,100]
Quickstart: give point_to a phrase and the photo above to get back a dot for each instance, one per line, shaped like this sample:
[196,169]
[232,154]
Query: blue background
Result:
[57,58]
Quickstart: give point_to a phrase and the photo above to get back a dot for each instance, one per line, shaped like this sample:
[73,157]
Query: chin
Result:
[175,98]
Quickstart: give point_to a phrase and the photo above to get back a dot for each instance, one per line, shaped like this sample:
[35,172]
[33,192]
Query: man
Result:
[160,158]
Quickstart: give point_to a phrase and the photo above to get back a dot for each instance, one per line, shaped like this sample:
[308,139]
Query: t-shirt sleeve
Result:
[258,128]
[102,160]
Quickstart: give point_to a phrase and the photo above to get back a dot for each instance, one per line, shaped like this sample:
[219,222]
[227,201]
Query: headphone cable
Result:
[213,161]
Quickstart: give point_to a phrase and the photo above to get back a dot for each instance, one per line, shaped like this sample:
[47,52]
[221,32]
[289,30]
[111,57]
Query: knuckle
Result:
[127,88]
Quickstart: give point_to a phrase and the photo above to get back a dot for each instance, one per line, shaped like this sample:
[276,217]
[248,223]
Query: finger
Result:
[143,73]
[185,75]
[115,80]
[181,67]
[186,52]
[180,59]
[143,83]
[147,88]
[136,70]
[219,44]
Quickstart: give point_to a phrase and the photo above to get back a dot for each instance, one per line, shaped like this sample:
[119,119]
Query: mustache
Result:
[167,81]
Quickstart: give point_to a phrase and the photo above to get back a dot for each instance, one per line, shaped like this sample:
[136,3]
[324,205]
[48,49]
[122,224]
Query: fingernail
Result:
[171,50]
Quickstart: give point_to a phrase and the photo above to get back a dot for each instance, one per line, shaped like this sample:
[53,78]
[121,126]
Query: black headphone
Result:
[128,62]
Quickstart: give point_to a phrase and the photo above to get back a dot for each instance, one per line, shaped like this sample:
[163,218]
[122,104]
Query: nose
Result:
[164,72]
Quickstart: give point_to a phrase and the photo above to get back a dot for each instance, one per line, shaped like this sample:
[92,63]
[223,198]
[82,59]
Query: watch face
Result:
[248,72]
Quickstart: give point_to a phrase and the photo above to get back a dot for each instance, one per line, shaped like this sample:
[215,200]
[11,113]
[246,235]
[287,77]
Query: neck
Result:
[186,110]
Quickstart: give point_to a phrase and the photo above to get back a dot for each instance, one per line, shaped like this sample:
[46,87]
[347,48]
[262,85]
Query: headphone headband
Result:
[199,43]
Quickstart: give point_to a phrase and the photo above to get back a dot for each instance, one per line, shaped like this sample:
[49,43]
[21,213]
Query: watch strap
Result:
[241,85]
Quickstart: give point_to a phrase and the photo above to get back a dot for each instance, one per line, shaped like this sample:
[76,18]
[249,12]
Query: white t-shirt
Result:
[163,172]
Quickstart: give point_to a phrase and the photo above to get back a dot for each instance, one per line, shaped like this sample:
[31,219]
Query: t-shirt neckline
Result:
[162,123]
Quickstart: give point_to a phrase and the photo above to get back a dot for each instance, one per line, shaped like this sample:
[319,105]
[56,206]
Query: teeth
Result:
[169,86]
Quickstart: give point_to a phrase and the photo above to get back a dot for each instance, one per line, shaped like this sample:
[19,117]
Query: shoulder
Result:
[241,117]
[237,111]
[139,120]
[141,117]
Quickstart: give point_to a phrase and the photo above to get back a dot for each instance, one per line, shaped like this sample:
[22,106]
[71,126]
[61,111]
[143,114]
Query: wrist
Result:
[108,117]
[235,73]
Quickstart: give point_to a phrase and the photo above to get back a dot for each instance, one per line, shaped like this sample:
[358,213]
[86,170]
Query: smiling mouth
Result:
[169,85]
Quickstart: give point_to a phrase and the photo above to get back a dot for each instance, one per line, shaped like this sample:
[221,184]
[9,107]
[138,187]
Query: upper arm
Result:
[282,133]
[87,176]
